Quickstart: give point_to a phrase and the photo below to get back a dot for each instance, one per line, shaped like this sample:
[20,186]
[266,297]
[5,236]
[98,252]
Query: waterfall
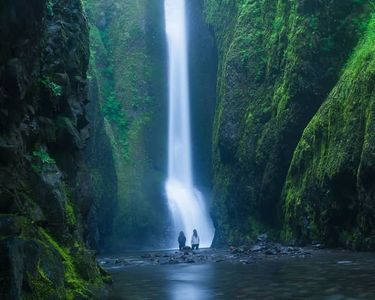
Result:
[186,203]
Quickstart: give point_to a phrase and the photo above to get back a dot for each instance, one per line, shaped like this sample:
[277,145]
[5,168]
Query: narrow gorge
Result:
[126,122]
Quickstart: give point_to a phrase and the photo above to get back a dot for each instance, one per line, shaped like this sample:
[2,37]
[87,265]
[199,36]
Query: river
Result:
[331,275]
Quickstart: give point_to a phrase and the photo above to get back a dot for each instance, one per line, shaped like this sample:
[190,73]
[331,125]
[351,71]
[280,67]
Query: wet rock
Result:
[258,248]
[7,152]
[262,238]
[38,178]
[318,246]
[172,261]
[105,275]
[21,260]
[11,225]
[50,195]
[246,261]
[271,252]
[7,200]
[242,249]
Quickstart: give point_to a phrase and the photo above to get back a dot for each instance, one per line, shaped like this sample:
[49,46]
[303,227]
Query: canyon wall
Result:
[45,195]
[279,61]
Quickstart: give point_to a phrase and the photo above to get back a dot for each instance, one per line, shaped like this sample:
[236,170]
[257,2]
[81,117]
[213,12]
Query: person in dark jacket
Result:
[181,240]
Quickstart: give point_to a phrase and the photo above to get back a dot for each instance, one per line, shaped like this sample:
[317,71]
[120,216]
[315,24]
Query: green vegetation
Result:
[41,158]
[43,287]
[127,72]
[44,63]
[278,62]
[113,111]
[326,189]
[55,88]
[75,285]
[70,215]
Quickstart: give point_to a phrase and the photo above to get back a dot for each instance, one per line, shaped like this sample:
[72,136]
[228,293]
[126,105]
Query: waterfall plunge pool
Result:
[331,275]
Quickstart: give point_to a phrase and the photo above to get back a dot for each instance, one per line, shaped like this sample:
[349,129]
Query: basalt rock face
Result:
[43,203]
[128,81]
[101,166]
[202,82]
[330,188]
[278,62]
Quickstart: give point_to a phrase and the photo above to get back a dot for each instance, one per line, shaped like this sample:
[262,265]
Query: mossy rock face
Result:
[36,266]
[30,270]
[128,82]
[329,192]
[278,61]
[202,82]
[44,59]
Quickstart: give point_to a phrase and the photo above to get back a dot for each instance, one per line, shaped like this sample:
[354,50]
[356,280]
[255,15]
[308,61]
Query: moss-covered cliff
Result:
[202,88]
[43,203]
[127,70]
[329,191]
[278,62]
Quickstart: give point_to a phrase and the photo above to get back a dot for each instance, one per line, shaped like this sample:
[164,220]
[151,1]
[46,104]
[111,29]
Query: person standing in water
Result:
[181,240]
[195,240]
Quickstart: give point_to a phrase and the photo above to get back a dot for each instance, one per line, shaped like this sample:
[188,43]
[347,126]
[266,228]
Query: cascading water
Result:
[186,203]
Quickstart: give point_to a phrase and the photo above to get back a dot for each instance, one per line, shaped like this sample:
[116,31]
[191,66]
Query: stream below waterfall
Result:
[331,275]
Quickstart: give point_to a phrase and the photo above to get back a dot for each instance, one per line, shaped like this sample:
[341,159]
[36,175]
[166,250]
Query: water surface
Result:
[329,275]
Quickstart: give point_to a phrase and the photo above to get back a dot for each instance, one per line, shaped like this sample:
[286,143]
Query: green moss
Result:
[75,285]
[326,189]
[128,73]
[43,287]
[55,88]
[278,61]
[40,159]
[70,214]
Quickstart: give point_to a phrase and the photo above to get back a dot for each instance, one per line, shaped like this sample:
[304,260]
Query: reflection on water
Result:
[190,282]
[332,276]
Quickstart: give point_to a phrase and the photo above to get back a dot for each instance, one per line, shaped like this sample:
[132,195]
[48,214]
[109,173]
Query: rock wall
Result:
[101,171]
[128,77]
[202,80]
[329,192]
[278,62]
[44,202]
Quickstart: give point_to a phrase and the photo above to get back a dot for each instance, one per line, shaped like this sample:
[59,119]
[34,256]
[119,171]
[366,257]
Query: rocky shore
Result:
[262,250]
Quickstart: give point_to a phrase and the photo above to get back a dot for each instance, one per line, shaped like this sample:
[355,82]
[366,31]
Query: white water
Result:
[186,203]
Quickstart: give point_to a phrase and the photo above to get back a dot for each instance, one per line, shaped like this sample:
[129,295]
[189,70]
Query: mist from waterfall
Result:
[186,203]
